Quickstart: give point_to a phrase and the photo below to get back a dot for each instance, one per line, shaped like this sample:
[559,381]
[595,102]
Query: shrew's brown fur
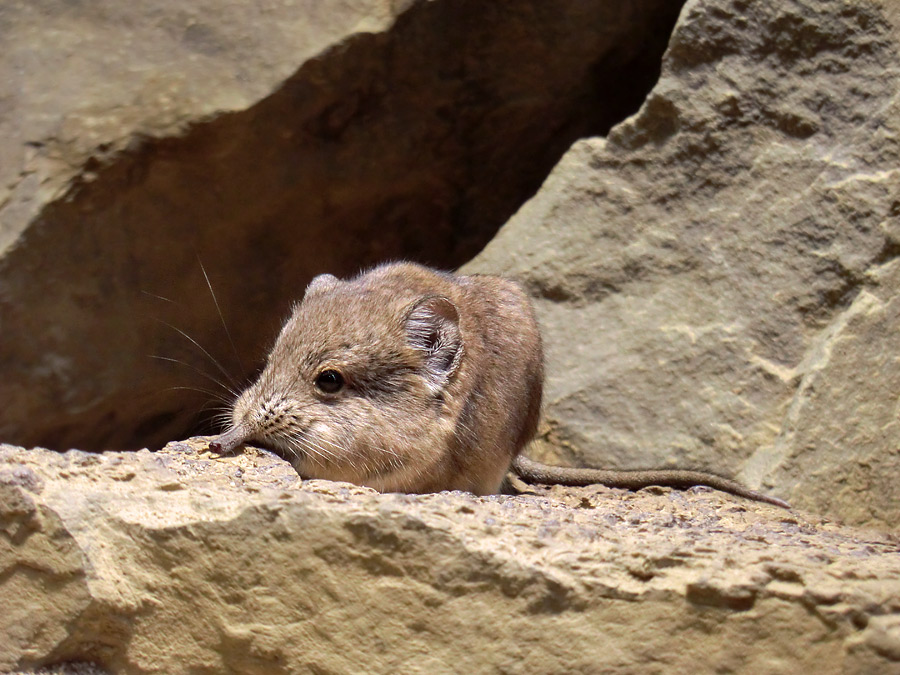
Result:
[407,379]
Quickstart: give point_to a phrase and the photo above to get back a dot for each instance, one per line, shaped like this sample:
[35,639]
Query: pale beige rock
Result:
[180,562]
[716,280]
[841,439]
[80,80]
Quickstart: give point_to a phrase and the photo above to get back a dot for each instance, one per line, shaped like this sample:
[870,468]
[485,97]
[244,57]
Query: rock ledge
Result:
[179,561]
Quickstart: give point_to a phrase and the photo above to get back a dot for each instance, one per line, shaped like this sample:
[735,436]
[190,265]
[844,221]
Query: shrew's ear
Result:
[432,327]
[321,283]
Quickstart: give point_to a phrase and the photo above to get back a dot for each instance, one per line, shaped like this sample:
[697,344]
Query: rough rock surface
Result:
[273,140]
[717,281]
[178,561]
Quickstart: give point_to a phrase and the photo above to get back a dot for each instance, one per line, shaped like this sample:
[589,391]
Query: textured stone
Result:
[178,562]
[716,280]
[273,140]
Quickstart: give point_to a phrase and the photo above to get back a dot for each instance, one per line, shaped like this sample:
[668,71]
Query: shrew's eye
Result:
[329,381]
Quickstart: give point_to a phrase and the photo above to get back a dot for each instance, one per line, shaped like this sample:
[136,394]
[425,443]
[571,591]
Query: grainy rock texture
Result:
[717,280]
[180,562]
[273,140]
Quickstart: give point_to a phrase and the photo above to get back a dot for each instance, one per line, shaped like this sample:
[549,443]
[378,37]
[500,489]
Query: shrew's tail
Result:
[536,472]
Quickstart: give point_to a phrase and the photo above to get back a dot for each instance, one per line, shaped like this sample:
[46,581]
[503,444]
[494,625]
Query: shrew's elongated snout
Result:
[227,442]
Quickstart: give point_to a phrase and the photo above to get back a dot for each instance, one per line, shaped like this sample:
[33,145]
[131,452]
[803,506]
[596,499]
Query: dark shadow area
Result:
[417,143]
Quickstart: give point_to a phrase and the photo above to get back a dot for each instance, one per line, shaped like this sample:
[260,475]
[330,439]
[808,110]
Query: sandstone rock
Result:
[177,562]
[274,141]
[717,279]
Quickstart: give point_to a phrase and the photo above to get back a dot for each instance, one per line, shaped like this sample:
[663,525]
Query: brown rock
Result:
[179,562]
[274,141]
